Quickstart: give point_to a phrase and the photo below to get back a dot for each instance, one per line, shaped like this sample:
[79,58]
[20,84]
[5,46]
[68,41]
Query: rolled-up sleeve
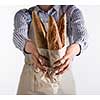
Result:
[20,34]
[78,29]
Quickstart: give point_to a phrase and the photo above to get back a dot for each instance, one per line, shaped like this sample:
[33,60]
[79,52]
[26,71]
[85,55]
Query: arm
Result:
[20,30]
[78,29]
[21,40]
[79,42]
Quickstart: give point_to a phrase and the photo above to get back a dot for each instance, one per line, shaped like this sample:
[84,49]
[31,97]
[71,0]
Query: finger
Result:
[44,57]
[61,61]
[36,59]
[38,64]
[43,60]
[63,71]
[56,70]
[61,67]
[67,62]
[57,63]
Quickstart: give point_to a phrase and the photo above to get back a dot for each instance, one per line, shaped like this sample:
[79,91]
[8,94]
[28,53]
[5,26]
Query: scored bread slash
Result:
[39,30]
[53,37]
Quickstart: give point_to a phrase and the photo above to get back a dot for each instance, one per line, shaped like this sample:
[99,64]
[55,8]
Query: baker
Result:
[76,32]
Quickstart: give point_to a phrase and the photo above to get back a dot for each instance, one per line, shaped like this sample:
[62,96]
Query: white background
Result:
[86,68]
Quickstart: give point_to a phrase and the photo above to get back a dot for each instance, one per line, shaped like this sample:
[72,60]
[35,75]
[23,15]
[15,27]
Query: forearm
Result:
[78,28]
[74,49]
[19,41]
[20,29]
[30,47]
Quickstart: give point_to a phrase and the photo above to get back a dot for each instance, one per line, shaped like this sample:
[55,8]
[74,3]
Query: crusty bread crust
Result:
[53,37]
[62,24]
[39,31]
[56,36]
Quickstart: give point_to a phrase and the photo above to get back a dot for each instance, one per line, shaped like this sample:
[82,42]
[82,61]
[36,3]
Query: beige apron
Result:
[30,80]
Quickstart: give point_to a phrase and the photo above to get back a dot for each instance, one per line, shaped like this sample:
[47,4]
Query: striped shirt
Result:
[76,30]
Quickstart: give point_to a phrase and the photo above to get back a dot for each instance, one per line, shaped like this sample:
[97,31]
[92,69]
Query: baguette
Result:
[39,31]
[62,29]
[53,37]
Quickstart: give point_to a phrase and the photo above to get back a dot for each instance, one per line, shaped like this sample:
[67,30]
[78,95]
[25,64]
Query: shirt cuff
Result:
[80,45]
[80,50]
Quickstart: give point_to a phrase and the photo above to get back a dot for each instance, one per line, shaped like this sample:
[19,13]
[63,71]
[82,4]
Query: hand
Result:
[62,65]
[40,61]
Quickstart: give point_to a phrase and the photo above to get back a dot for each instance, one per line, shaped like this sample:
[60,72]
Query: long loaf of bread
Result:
[62,24]
[53,37]
[39,31]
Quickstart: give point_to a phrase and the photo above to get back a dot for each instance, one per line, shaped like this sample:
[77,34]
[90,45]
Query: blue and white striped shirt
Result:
[76,30]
